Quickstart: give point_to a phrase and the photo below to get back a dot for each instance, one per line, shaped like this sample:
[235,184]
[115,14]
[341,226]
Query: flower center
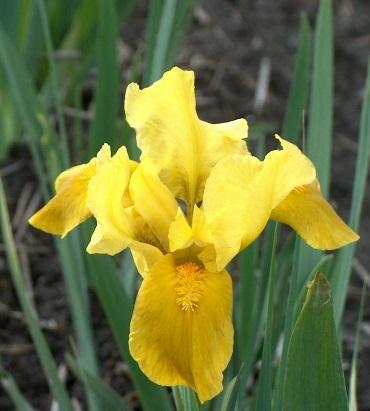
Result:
[189,286]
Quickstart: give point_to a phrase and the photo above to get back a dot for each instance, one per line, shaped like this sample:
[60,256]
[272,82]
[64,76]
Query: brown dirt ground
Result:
[225,46]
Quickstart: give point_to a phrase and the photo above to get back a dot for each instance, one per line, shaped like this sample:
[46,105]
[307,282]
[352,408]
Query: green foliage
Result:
[314,380]
[109,398]
[301,371]
[342,267]
[294,114]
[103,128]
[10,387]
[47,362]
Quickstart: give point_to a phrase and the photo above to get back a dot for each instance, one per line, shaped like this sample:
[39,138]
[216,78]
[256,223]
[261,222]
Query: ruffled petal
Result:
[105,197]
[242,191]
[285,170]
[313,218]
[153,200]
[236,204]
[181,330]
[68,207]
[169,132]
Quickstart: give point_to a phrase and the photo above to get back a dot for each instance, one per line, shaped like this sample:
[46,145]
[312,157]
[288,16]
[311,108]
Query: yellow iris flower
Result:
[195,200]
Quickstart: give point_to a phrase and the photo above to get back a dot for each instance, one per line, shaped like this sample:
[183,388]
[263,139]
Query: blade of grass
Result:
[8,17]
[9,124]
[20,21]
[319,134]
[247,306]
[181,24]
[264,388]
[54,83]
[11,388]
[30,37]
[29,108]
[236,393]
[152,24]
[25,101]
[314,379]
[47,362]
[298,92]
[185,399]
[163,39]
[353,377]
[342,266]
[59,26]
[74,273]
[74,276]
[128,274]
[110,399]
[103,128]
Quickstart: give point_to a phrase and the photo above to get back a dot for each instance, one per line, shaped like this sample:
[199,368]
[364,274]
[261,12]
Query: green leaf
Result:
[298,92]
[152,24]
[109,398]
[319,134]
[342,266]
[236,392]
[162,39]
[295,302]
[183,18]
[11,388]
[185,399]
[353,378]
[103,129]
[42,143]
[263,395]
[246,304]
[314,379]
[24,100]
[54,83]
[46,359]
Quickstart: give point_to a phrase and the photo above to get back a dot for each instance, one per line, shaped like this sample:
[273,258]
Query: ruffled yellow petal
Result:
[181,330]
[169,132]
[286,169]
[153,200]
[68,207]
[242,191]
[236,204]
[308,213]
[105,200]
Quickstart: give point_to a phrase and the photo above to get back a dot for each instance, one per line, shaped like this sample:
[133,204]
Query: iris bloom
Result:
[195,200]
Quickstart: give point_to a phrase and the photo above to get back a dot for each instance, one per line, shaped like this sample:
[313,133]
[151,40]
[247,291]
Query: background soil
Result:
[226,45]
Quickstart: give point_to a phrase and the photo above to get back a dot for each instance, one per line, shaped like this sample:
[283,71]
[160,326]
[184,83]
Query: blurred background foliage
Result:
[63,68]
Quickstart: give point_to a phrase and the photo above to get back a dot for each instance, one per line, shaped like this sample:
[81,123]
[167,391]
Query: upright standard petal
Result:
[105,201]
[189,342]
[153,200]
[118,224]
[169,132]
[308,213]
